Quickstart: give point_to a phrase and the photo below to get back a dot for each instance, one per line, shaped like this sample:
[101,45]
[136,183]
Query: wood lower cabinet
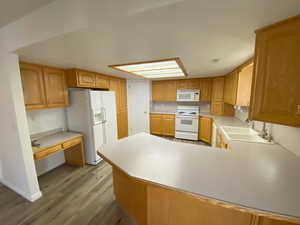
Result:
[151,204]
[205,129]
[33,86]
[156,124]
[43,87]
[221,142]
[168,207]
[276,83]
[56,88]
[168,125]
[162,124]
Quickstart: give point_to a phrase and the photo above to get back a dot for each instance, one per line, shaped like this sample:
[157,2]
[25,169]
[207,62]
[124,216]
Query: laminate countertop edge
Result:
[226,202]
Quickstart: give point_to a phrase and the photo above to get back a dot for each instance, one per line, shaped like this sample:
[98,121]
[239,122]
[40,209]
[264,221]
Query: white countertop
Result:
[53,139]
[261,177]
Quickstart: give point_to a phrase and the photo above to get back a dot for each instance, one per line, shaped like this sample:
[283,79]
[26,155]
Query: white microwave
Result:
[188,96]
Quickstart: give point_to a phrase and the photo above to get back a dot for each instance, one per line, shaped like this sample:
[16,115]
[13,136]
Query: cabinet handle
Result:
[298,110]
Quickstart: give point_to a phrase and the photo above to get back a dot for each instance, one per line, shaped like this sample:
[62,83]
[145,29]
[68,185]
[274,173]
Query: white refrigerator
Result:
[93,113]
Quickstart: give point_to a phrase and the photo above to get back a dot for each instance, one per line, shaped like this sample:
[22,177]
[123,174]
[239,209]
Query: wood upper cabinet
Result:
[218,89]
[157,91]
[164,90]
[230,88]
[276,83]
[244,86]
[101,81]
[205,86]
[156,124]
[33,86]
[85,78]
[188,84]
[56,88]
[169,90]
[205,129]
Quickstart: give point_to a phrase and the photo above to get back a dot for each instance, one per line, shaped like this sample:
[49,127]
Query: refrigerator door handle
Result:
[104,114]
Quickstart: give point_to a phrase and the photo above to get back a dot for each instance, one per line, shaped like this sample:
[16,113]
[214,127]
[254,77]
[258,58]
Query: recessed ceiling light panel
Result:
[164,68]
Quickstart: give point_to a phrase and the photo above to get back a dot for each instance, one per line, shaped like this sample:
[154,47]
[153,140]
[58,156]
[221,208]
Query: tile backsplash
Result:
[170,107]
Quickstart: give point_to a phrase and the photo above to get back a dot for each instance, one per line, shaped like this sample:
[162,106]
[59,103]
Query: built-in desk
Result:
[69,142]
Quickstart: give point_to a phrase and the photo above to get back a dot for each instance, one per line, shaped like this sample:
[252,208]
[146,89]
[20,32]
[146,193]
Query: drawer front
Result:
[71,143]
[47,151]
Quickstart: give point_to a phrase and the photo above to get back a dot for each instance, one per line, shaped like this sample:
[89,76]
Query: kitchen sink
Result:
[243,134]
[239,130]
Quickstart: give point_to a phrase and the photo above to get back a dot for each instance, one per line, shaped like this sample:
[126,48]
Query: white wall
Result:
[40,121]
[16,158]
[288,137]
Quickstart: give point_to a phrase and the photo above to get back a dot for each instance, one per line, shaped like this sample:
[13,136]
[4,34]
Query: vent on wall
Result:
[163,68]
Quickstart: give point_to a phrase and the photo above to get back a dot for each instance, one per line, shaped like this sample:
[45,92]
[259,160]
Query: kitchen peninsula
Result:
[161,182]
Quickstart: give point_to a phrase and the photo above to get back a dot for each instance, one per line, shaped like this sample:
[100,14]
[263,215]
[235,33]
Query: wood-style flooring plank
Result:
[71,196]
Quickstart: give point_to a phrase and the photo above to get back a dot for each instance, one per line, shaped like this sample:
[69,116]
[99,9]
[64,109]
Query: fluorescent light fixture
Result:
[163,68]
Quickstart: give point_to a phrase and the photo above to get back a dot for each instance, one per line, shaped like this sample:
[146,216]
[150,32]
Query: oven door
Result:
[188,124]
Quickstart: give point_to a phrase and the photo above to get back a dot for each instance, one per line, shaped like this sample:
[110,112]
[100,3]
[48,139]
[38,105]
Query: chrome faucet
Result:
[263,132]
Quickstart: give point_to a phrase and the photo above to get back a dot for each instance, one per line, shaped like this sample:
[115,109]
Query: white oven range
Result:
[187,119]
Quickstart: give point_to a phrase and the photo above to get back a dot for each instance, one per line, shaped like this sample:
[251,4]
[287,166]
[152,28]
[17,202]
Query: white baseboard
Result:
[28,196]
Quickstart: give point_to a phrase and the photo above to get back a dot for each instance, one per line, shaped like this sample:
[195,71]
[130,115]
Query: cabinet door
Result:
[217,108]
[85,79]
[244,86]
[230,88]
[169,93]
[123,94]
[276,87]
[56,88]
[267,221]
[114,85]
[157,91]
[205,128]
[156,124]
[33,86]
[168,125]
[101,81]
[122,121]
[218,89]
[205,86]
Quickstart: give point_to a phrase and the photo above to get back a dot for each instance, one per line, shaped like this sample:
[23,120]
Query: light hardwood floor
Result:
[71,196]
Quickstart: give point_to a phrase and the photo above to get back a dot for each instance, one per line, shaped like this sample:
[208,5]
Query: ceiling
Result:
[12,10]
[197,31]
